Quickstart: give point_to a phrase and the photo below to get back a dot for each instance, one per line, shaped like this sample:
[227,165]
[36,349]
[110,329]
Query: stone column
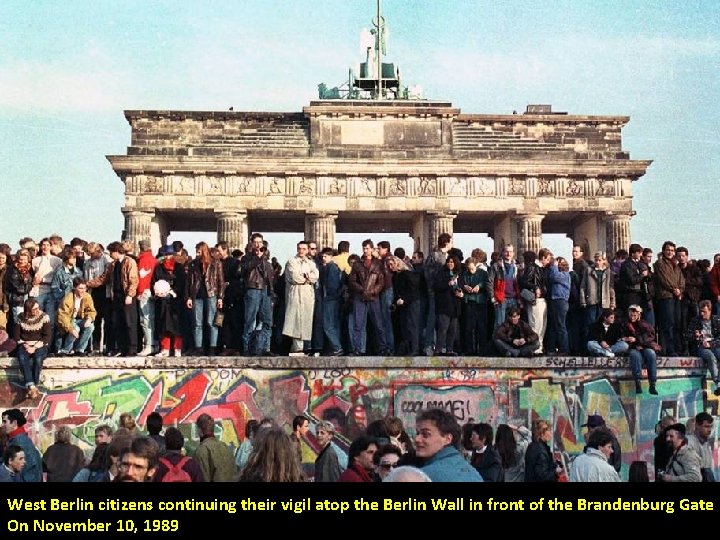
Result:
[529,234]
[438,223]
[320,228]
[617,229]
[158,233]
[232,227]
[585,234]
[502,233]
[138,225]
[419,233]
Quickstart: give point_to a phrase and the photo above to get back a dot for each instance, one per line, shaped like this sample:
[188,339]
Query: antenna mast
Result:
[379,30]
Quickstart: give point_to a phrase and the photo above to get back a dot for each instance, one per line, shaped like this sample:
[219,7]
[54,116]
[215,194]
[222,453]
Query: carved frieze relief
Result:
[337,186]
[485,187]
[397,187]
[153,184]
[306,186]
[545,187]
[216,185]
[605,187]
[243,185]
[183,185]
[517,186]
[574,188]
[274,186]
[367,187]
[427,186]
[457,186]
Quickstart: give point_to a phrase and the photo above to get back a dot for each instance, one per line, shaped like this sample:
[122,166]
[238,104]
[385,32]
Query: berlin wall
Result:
[352,392]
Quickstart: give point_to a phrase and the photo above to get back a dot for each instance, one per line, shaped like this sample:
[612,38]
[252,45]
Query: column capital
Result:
[320,227]
[242,214]
[137,212]
[442,214]
[612,216]
[319,214]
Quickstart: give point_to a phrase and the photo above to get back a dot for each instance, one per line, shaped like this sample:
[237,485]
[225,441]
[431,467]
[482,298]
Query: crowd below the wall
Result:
[441,451]
[81,298]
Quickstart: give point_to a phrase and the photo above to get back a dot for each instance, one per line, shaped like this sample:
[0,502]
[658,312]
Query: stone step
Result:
[507,145]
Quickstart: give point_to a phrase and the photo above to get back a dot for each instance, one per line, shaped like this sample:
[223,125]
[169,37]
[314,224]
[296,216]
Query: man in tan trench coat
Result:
[301,274]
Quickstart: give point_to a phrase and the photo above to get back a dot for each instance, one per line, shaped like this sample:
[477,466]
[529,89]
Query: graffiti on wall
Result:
[353,398]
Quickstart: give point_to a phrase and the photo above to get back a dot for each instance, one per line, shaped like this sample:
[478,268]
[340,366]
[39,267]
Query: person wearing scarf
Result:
[360,458]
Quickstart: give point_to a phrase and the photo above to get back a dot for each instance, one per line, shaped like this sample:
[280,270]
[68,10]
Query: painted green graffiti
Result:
[111,396]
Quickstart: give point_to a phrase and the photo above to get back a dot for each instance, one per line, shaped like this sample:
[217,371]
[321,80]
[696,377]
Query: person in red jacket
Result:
[146,303]
[360,460]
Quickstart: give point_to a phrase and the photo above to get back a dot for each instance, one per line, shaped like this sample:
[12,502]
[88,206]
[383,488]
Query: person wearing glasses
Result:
[386,459]
[139,461]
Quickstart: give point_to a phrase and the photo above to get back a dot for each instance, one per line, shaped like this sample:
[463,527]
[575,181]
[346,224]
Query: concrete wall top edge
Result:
[374,362]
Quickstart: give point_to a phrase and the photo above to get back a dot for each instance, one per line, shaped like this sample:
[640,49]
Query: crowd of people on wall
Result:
[441,451]
[83,298]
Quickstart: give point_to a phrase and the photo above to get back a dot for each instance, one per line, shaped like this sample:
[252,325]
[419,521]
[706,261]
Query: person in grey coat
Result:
[327,466]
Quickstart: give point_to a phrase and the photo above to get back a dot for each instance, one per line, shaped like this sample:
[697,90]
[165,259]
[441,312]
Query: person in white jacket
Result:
[592,465]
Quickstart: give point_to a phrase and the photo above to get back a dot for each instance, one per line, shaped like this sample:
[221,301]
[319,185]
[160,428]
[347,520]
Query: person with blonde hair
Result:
[327,465]
[406,287]
[539,463]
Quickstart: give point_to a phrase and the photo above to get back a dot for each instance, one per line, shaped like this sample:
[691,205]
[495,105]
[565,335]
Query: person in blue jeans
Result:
[259,278]
[704,340]
[640,337]
[606,336]
[33,335]
[75,319]
[558,280]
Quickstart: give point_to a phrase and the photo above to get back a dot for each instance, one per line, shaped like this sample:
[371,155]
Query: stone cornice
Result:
[544,119]
[369,362]
[128,165]
[137,114]
[390,108]
[375,109]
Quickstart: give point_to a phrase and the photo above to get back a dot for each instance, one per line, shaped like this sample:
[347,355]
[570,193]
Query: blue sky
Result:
[69,69]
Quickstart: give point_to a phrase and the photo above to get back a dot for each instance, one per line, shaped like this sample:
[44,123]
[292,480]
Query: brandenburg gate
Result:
[391,162]
[345,165]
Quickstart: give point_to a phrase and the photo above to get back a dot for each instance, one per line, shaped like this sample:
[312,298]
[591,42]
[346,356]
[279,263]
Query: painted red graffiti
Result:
[355,390]
[290,396]
[190,395]
[152,403]
[235,406]
[64,406]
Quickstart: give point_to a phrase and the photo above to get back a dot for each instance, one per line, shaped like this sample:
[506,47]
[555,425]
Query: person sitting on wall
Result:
[703,336]
[75,319]
[606,336]
[515,337]
[640,337]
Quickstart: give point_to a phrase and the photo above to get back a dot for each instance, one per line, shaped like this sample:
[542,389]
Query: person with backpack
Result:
[174,466]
